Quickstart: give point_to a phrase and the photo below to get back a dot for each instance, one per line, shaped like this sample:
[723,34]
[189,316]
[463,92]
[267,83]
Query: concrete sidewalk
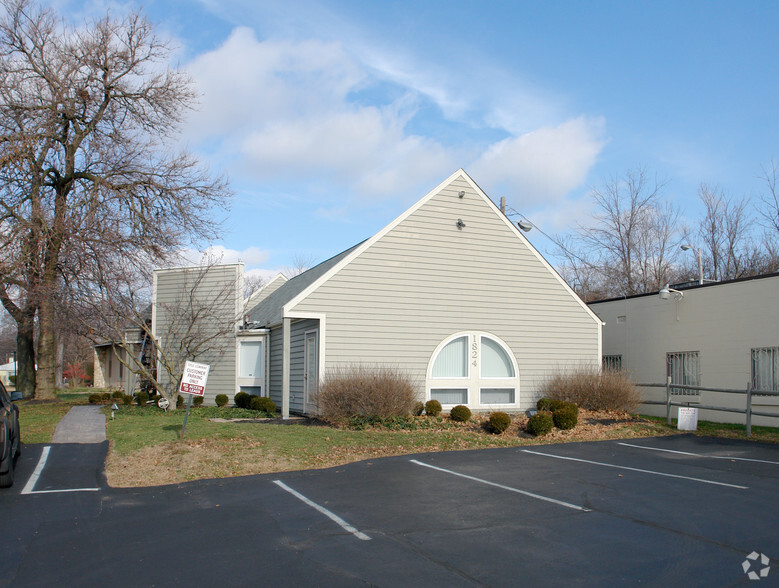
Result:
[82,424]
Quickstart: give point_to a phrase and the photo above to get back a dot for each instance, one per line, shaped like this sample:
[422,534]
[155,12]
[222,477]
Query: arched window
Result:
[475,369]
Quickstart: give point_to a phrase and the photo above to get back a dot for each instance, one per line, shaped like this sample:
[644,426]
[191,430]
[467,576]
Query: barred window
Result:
[612,363]
[684,368]
[765,369]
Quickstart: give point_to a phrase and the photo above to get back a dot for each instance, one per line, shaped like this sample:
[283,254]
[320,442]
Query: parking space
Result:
[654,511]
[588,513]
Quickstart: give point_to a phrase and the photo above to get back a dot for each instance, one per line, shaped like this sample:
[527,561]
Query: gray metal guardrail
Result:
[748,392]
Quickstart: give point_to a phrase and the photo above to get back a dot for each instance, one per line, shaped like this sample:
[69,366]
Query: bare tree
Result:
[724,233]
[631,242]
[769,209]
[300,263]
[85,116]
[195,320]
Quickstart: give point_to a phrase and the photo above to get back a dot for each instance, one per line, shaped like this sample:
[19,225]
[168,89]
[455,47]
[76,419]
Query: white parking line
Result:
[509,488]
[611,465]
[701,454]
[28,488]
[334,517]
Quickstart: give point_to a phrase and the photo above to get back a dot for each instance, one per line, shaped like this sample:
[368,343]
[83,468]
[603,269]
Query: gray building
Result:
[450,291]
[716,335]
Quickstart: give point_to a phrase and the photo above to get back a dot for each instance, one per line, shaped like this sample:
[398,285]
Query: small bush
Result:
[566,417]
[221,399]
[460,413]
[418,409]
[127,399]
[142,398]
[433,408]
[117,395]
[498,422]
[593,389]
[549,404]
[96,398]
[267,405]
[198,401]
[365,391]
[105,396]
[242,399]
[540,423]
[262,404]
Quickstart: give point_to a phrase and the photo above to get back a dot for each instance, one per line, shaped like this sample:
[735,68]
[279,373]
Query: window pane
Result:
[450,395]
[452,360]
[765,369]
[684,368]
[497,396]
[253,390]
[251,360]
[495,362]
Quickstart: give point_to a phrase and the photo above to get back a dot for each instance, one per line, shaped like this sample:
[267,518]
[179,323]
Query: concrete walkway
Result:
[82,424]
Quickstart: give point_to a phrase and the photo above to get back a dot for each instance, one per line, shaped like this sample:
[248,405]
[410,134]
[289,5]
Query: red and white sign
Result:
[194,379]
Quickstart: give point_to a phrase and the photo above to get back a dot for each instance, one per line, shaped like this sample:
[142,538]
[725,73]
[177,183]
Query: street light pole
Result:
[700,260]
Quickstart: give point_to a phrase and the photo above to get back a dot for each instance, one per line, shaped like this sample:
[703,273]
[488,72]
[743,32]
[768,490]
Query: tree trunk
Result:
[25,356]
[47,353]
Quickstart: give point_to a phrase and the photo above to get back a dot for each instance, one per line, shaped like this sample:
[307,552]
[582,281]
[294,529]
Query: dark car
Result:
[10,444]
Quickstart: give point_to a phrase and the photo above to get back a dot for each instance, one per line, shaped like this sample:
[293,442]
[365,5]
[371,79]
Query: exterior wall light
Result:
[460,224]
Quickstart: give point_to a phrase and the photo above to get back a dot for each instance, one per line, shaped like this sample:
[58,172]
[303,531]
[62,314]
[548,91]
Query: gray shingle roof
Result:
[269,311]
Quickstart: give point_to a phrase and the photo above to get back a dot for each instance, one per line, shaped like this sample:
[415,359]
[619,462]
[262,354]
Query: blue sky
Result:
[332,117]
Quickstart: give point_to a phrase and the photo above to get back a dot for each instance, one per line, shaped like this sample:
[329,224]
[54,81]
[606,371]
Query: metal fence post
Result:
[749,409]
[668,401]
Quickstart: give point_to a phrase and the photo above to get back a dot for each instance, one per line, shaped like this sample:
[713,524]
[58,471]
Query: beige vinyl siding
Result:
[276,357]
[723,322]
[218,292]
[426,280]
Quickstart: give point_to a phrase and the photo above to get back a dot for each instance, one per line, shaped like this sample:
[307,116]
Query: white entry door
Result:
[311,367]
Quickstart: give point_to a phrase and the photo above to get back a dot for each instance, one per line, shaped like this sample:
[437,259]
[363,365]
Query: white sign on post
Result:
[688,418]
[194,379]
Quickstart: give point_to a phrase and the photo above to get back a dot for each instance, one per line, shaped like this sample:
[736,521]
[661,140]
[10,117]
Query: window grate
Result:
[684,368]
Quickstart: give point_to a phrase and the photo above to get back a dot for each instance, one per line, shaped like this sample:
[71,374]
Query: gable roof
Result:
[269,311]
[282,302]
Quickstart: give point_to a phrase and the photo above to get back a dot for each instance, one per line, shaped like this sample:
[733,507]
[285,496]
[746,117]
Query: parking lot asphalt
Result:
[655,511]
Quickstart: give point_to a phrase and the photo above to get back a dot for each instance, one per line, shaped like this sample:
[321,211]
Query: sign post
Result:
[193,383]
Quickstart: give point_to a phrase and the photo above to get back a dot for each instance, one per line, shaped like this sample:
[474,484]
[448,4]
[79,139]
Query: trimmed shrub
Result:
[117,395]
[198,401]
[242,399]
[362,390]
[262,404]
[549,404]
[593,389]
[268,405]
[142,398]
[433,408]
[498,422]
[460,413]
[540,423]
[105,396]
[221,399]
[418,409]
[127,399]
[566,417]
[96,398]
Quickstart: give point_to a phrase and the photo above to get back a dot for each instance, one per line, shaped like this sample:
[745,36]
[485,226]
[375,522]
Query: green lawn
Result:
[39,418]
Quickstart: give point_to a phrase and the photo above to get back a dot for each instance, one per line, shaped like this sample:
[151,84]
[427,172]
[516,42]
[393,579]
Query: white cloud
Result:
[543,165]
[250,257]
[285,110]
